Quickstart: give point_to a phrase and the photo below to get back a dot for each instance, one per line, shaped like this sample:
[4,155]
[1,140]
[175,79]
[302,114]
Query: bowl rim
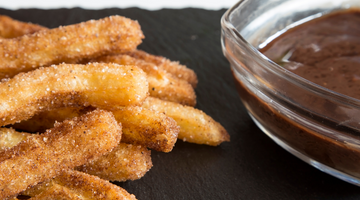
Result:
[280,71]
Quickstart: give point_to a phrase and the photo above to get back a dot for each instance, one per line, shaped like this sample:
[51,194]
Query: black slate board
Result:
[251,166]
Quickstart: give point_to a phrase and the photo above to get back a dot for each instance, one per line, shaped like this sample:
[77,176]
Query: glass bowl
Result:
[318,125]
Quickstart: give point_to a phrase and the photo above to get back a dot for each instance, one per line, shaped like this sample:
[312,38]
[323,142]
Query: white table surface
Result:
[99,4]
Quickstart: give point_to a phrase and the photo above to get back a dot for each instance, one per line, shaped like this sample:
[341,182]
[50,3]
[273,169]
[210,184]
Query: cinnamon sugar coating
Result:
[68,44]
[195,126]
[11,28]
[69,144]
[172,67]
[85,186]
[162,84]
[105,86]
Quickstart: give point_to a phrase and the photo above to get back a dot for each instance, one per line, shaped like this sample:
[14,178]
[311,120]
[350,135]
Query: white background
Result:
[99,4]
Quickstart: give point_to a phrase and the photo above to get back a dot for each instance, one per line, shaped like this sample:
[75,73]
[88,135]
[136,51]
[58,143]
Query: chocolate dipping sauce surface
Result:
[325,51]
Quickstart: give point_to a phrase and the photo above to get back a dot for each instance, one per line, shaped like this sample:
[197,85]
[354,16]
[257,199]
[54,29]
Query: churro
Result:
[105,86]
[162,85]
[172,67]
[10,138]
[69,144]
[124,162]
[195,125]
[83,185]
[68,44]
[86,139]
[146,127]
[140,126]
[58,192]
[11,28]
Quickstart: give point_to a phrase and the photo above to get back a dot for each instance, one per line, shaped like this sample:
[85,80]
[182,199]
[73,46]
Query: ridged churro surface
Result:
[125,162]
[172,67]
[195,125]
[148,128]
[101,85]
[162,84]
[69,144]
[68,44]
[11,28]
[57,192]
[85,186]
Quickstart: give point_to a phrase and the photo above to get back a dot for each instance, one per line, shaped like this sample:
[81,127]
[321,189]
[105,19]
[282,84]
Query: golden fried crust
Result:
[174,68]
[46,119]
[10,138]
[139,125]
[125,162]
[11,28]
[68,44]
[57,192]
[101,85]
[148,128]
[69,144]
[161,84]
[83,185]
[195,125]
[91,187]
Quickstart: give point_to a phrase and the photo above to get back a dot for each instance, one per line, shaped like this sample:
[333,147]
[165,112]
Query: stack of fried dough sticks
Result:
[80,106]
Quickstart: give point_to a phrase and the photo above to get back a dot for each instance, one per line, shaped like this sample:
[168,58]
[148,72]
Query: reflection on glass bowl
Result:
[318,125]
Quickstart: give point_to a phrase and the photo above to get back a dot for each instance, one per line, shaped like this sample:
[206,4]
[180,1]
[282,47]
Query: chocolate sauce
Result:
[325,51]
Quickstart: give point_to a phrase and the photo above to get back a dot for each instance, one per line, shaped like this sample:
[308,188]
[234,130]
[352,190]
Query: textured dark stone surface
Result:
[251,166]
